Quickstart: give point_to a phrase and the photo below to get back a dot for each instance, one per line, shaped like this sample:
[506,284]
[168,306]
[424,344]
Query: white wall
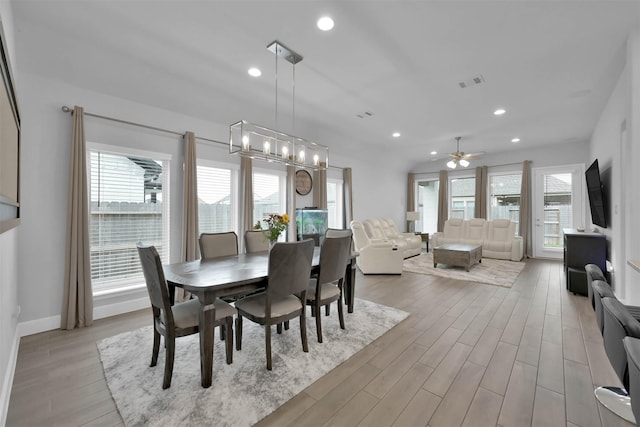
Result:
[9,337]
[616,140]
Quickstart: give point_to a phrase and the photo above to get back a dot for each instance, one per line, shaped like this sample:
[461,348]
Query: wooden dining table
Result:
[209,279]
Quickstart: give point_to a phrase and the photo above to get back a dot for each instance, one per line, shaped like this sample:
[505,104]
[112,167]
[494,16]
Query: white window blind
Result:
[216,199]
[268,195]
[127,205]
[334,203]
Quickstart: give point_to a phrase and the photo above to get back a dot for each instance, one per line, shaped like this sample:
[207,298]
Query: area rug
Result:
[244,392]
[492,271]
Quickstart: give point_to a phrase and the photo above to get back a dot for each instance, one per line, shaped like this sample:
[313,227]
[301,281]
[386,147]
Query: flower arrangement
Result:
[276,224]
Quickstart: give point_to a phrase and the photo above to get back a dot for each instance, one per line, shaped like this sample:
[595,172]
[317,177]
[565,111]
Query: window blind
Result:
[216,200]
[267,196]
[127,196]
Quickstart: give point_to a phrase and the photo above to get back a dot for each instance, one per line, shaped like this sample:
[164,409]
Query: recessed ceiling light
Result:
[254,72]
[325,23]
[396,134]
[433,153]
[515,140]
[499,111]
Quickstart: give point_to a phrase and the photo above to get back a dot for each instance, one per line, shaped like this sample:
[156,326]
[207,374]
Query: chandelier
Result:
[259,142]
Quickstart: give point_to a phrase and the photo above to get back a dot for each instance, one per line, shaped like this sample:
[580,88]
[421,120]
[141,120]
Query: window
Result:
[504,197]
[428,206]
[128,204]
[334,203]
[463,198]
[217,200]
[268,195]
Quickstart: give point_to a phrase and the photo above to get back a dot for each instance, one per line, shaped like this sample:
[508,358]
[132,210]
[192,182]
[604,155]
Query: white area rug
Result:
[244,392]
[492,271]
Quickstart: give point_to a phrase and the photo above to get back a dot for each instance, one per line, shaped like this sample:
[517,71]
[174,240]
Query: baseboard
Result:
[8,378]
[39,325]
[49,323]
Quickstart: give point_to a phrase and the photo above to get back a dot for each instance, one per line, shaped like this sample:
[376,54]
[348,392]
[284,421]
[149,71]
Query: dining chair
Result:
[214,245]
[327,287]
[256,241]
[285,295]
[179,320]
[632,348]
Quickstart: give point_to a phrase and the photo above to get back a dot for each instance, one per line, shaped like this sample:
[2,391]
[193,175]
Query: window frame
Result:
[117,150]
[450,180]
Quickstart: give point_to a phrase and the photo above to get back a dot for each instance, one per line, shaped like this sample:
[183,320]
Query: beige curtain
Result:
[347,195]
[246,197]
[443,201]
[320,189]
[525,209]
[77,303]
[481,192]
[190,247]
[291,203]
[411,196]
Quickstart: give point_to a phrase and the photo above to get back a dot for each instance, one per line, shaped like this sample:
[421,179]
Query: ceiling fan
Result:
[460,157]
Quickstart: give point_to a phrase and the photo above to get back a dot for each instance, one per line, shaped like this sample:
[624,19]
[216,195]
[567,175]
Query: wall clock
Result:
[304,182]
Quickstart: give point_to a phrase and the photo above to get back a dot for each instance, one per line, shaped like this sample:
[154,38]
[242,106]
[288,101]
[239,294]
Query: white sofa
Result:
[375,256]
[385,229]
[497,237]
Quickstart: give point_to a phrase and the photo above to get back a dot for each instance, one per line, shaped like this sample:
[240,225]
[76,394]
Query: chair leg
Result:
[340,313]
[303,330]
[318,323]
[239,333]
[168,363]
[228,332]
[267,344]
[156,348]
[222,333]
[279,328]
[286,325]
[327,309]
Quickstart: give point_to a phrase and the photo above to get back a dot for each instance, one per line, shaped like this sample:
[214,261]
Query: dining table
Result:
[240,274]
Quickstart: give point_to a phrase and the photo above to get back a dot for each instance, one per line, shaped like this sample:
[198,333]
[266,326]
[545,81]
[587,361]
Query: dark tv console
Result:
[580,249]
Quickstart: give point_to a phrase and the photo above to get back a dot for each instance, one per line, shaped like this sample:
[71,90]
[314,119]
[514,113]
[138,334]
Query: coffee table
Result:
[457,254]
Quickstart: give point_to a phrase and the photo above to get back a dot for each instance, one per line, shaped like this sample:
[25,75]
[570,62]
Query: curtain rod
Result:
[492,166]
[66,109]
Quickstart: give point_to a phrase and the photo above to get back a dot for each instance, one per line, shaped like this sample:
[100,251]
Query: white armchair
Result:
[414,241]
[376,256]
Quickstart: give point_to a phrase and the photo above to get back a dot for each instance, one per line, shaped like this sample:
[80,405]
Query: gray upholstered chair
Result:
[618,324]
[215,245]
[632,348]
[256,241]
[328,285]
[285,295]
[601,289]
[180,320]
[593,273]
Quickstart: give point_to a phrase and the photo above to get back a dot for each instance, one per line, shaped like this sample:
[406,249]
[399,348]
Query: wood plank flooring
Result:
[468,355]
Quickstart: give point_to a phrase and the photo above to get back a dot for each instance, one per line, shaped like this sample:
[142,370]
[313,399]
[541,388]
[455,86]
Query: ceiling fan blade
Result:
[473,155]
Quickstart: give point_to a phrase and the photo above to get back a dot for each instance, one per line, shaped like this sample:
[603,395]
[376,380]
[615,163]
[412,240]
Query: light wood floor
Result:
[469,355]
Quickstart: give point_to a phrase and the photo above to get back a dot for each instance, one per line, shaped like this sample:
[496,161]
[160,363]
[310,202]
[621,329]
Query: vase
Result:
[272,243]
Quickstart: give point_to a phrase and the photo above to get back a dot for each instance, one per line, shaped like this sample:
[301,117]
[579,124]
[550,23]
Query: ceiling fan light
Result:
[451,164]
[464,163]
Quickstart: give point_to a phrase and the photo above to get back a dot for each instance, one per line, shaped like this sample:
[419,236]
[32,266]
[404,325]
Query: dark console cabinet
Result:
[580,249]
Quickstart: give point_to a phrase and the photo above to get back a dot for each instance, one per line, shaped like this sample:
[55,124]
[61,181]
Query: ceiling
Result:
[550,64]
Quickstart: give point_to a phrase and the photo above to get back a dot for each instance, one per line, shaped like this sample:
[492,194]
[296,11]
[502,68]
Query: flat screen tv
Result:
[596,195]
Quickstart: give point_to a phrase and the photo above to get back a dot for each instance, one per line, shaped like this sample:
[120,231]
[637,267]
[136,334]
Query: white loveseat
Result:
[409,244]
[375,256]
[497,237]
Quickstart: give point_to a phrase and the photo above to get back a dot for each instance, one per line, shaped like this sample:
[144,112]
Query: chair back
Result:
[334,257]
[618,323]
[290,267]
[336,232]
[256,241]
[154,277]
[632,348]
[600,290]
[593,273]
[215,245]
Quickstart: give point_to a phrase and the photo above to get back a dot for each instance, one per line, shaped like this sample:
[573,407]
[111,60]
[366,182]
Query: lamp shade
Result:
[413,216]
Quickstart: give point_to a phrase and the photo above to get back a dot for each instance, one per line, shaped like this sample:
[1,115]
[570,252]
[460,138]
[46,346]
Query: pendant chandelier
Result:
[259,142]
